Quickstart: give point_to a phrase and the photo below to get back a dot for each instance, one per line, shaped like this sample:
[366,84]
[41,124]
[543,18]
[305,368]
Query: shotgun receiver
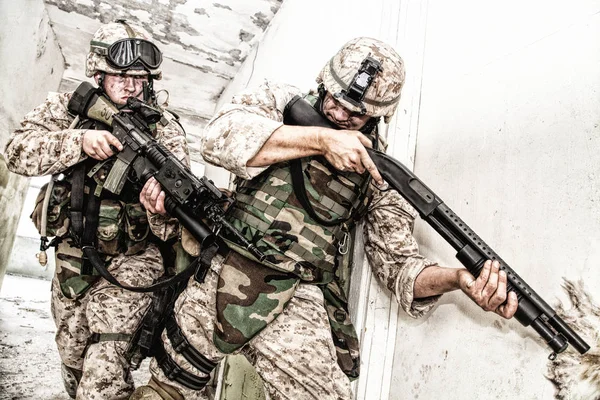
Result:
[472,251]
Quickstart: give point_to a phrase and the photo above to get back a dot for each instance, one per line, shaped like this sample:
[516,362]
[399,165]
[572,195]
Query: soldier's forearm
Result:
[288,143]
[38,153]
[434,281]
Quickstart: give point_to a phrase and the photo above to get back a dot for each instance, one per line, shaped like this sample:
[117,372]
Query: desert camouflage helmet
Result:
[104,37]
[386,69]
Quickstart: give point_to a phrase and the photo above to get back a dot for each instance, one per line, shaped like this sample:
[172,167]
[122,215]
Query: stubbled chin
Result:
[338,124]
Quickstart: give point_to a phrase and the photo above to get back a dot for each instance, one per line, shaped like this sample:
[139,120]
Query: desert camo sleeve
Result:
[241,128]
[44,144]
[393,252]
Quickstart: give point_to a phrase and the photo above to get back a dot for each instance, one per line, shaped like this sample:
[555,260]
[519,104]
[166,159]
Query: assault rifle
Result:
[190,199]
[472,251]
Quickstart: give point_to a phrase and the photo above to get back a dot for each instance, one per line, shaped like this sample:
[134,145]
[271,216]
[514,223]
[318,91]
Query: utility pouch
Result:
[109,233]
[57,222]
[136,228]
[343,332]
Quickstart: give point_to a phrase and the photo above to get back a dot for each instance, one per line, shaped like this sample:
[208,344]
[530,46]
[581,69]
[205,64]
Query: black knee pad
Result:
[71,378]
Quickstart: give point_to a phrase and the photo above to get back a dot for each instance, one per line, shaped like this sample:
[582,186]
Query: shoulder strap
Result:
[300,192]
[200,265]
[77,193]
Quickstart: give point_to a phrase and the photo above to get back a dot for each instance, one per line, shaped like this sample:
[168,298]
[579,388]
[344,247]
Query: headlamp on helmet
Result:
[355,93]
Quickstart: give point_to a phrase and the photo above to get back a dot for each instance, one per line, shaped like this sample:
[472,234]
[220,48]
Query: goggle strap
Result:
[100,48]
[130,31]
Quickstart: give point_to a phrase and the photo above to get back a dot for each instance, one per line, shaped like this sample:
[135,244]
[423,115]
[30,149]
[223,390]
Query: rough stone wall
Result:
[31,67]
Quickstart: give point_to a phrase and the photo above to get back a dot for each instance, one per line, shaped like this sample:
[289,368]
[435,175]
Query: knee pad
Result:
[71,378]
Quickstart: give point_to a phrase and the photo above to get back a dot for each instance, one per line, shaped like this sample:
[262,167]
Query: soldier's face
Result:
[341,116]
[120,87]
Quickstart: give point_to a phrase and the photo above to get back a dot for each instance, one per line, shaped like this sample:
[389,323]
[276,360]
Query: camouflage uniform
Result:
[83,305]
[280,309]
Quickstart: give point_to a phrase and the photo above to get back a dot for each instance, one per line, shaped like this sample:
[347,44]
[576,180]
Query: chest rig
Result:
[299,213]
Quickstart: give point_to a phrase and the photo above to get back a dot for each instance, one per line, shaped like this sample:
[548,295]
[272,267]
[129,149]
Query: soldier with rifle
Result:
[95,319]
[300,191]
[254,248]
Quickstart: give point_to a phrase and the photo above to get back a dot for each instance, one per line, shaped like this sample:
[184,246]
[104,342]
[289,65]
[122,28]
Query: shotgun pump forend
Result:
[472,251]
[190,199]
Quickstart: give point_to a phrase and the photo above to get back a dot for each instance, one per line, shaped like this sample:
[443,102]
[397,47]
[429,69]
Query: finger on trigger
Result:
[114,141]
[108,149]
[101,154]
[370,166]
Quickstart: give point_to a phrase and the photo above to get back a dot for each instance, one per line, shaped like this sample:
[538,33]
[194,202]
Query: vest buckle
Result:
[344,245]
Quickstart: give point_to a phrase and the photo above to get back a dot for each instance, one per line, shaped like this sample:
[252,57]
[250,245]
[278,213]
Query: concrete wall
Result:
[31,66]
[508,138]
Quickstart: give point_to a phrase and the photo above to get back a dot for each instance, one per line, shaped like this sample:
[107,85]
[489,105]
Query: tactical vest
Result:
[122,221]
[268,213]
[122,224]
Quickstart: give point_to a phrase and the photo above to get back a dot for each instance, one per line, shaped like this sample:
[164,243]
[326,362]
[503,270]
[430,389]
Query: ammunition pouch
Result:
[122,227]
[57,223]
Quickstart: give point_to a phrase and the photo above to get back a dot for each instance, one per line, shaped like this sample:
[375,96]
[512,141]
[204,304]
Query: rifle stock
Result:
[472,251]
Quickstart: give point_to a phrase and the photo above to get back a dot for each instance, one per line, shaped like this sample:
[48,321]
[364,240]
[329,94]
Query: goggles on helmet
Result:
[355,93]
[125,53]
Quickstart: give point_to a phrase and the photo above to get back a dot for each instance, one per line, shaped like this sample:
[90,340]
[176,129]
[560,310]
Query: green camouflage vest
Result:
[297,248]
[267,212]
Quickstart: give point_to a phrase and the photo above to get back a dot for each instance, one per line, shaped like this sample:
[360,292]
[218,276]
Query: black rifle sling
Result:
[182,346]
[83,231]
[201,263]
[77,193]
[300,192]
[175,373]
[90,227]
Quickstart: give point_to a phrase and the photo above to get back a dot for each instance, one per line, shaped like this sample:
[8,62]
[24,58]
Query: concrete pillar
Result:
[32,65]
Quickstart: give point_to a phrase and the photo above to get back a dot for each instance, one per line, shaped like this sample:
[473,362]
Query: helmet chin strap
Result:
[101,81]
[148,91]
[149,96]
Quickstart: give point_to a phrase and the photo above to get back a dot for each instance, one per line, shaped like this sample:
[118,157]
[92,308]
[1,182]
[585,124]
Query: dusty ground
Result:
[29,362]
